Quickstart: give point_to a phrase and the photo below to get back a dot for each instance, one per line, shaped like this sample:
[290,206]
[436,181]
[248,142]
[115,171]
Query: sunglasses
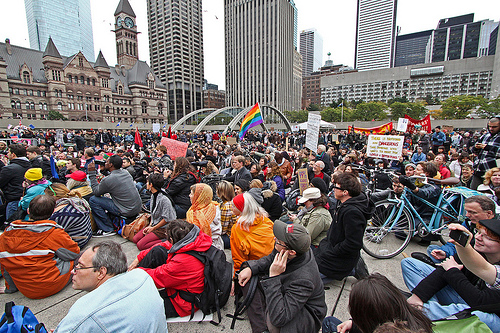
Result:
[338,188]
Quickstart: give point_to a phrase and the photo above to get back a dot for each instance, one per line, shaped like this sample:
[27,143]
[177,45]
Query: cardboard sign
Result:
[402,124]
[313,123]
[295,128]
[231,140]
[303,180]
[175,148]
[385,146]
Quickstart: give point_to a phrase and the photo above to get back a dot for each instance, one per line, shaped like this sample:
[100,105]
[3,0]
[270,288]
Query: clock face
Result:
[129,22]
[119,21]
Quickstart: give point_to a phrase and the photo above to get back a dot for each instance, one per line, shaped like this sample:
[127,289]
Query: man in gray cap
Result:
[295,298]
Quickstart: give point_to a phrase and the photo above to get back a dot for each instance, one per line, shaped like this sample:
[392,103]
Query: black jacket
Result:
[272,204]
[179,189]
[12,178]
[295,299]
[242,173]
[43,163]
[338,253]
[80,142]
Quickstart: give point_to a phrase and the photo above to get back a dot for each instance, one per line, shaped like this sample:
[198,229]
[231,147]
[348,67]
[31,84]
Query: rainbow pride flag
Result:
[252,119]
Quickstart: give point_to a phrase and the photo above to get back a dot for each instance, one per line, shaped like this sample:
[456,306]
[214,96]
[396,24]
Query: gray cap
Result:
[294,235]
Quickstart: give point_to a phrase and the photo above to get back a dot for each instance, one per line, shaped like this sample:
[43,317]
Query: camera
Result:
[461,237]
[100,162]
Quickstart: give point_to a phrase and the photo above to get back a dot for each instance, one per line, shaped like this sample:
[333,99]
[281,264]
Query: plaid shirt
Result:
[227,218]
[486,158]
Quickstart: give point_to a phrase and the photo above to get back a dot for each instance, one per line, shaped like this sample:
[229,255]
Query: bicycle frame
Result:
[435,221]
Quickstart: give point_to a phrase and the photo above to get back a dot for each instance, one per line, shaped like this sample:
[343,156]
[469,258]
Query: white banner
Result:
[313,122]
[156,128]
[385,146]
[402,124]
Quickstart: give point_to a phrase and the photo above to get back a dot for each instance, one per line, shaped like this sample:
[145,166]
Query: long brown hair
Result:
[374,300]
[182,165]
[273,169]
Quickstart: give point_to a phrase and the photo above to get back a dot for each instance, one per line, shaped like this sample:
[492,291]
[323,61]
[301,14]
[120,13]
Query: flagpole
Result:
[342,116]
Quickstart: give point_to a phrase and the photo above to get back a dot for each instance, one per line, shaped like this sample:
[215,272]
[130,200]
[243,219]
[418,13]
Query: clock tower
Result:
[126,35]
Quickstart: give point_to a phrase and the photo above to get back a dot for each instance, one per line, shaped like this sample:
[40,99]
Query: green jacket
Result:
[317,222]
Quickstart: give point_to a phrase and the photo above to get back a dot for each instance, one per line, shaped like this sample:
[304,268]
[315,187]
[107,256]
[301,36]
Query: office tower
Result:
[126,35]
[375,34]
[261,60]
[68,22]
[411,48]
[311,49]
[176,52]
[460,37]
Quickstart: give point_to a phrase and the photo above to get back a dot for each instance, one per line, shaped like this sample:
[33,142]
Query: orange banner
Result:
[374,130]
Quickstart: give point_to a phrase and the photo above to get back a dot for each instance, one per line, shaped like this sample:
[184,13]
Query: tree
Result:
[55,115]
[335,114]
[436,114]
[398,110]
[431,100]
[490,109]
[414,110]
[314,107]
[370,111]
[297,116]
[398,99]
[458,107]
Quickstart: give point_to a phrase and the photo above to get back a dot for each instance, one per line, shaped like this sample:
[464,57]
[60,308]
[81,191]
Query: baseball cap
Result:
[78,175]
[309,194]
[294,235]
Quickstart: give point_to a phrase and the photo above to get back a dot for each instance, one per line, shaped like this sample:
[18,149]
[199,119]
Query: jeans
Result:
[180,212]
[445,302]
[100,206]
[226,241]
[330,324]
[431,248]
[11,208]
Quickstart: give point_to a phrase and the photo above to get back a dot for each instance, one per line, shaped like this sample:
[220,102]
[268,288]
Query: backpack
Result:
[218,279]
[18,318]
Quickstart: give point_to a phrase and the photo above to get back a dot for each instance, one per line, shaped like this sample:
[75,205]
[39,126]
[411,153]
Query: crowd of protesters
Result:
[229,193]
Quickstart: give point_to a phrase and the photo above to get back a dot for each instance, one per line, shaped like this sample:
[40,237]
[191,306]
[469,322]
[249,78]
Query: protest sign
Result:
[156,128]
[313,122]
[372,130]
[385,146]
[231,140]
[424,124]
[175,148]
[303,180]
[402,124]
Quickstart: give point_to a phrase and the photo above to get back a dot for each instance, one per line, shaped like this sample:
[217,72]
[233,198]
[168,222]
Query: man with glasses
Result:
[238,164]
[37,256]
[117,300]
[318,171]
[339,253]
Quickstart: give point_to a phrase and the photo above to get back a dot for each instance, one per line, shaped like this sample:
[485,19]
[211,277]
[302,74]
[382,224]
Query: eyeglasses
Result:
[280,244]
[79,267]
[338,188]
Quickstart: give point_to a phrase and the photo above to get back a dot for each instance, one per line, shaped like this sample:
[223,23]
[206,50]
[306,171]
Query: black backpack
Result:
[218,278]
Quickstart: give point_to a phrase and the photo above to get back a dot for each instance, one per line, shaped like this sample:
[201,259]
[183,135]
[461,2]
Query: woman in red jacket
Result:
[173,269]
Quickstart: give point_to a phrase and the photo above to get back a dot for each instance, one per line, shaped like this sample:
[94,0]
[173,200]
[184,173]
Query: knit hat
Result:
[319,183]
[33,174]
[78,175]
[243,184]
[294,235]
[239,202]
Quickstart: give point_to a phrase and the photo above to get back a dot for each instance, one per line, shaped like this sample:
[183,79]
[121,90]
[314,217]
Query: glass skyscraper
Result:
[68,22]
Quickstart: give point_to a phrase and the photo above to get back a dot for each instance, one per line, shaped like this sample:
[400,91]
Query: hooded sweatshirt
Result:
[338,253]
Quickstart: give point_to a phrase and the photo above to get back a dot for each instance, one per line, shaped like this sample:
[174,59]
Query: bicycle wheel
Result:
[385,237]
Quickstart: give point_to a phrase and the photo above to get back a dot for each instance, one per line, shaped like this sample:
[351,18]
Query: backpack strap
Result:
[243,305]
[9,317]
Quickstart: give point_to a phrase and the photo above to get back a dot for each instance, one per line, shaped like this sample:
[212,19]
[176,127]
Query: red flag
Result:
[137,139]
[169,135]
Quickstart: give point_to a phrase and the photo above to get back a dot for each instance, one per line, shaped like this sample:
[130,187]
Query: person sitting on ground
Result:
[466,176]
[373,301]
[178,183]
[293,291]
[256,190]
[317,172]
[410,169]
[285,167]
[117,300]
[443,170]
[238,164]
[128,166]
[225,192]
[205,213]
[174,270]
[37,160]
[452,287]
[418,156]
[71,212]
[272,201]
[125,200]
[162,212]
[37,255]
[339,252]
[491,184]
[251,239]
[274,174]
[314,216]
[241,186]
[77,181]
[34,184]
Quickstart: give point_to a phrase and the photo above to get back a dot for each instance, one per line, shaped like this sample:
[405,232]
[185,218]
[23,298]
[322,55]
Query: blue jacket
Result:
[438,139]
[128,302]
[418,157]
[32,192]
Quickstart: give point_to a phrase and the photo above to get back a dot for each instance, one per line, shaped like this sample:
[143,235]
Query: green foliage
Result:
[314,107]
[398,100]
[335,104]
[459,107]
[431,100]
[354,103]
[490,108]
[414,110]
[55,115]
[335,114]
[297,116]
[369,111]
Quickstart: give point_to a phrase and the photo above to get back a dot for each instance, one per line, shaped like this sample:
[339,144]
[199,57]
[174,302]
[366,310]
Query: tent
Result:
[323,124]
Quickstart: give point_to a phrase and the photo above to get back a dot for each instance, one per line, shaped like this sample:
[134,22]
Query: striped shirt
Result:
[75,223]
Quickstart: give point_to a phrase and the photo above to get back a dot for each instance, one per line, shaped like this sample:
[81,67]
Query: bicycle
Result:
[392,224]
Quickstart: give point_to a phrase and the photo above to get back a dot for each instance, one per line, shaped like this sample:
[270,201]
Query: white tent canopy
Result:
[323,124]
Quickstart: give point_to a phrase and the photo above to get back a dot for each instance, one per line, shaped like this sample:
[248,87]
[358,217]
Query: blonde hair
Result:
[60,191]
[225,191]
[250,212]
[256,183]
[488,174]
[71,183]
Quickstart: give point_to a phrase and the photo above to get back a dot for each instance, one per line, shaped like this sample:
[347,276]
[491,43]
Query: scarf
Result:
[203,210]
